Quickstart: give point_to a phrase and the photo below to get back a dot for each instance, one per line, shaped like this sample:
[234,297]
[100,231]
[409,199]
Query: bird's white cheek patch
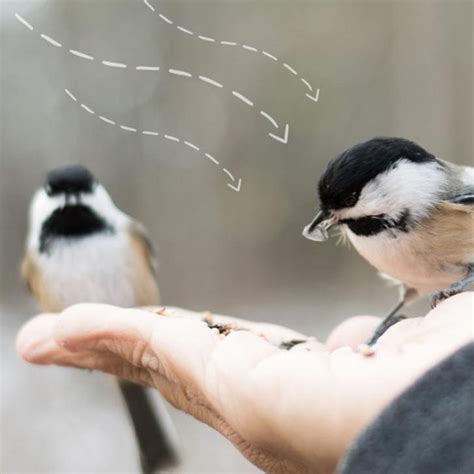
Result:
[409,186]
[42,206]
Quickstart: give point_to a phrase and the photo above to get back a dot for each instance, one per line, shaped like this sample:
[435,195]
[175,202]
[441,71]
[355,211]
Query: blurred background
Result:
[383,68]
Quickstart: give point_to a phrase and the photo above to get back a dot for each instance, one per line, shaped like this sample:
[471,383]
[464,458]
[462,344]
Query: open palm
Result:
[286,410]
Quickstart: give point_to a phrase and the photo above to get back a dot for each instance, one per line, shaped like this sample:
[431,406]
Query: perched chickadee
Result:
[407,212]
[82,248]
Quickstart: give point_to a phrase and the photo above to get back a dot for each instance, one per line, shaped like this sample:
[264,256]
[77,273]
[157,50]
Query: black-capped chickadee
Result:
[407,212]
[82,248]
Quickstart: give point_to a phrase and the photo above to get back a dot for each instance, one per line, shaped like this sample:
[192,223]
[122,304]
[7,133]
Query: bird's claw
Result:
[441,295]
[366,350]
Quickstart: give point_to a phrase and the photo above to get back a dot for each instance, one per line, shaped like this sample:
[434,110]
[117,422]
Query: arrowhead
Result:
[284,139]
[314,98]
[235,188]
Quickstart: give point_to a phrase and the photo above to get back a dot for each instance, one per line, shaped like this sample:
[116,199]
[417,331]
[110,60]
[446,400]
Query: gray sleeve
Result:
[429,429]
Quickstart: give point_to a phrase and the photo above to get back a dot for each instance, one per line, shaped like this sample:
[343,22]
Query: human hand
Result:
[294,410]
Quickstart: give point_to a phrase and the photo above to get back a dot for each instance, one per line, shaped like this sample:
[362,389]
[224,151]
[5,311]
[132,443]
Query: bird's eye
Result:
[350,200]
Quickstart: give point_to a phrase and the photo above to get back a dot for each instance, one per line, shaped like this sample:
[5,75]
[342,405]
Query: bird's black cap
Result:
[346,175]
[71,179]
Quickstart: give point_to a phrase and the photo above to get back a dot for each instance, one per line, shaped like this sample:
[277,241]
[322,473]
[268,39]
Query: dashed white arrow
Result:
[231,186]
[314,97]
[153,133]
[235,188]
[283,139]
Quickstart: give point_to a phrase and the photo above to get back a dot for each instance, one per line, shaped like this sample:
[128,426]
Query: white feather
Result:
[96,269]
[402,260]
[467,176]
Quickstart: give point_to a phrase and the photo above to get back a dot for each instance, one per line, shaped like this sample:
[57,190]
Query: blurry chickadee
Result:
[81,248]
[407,212]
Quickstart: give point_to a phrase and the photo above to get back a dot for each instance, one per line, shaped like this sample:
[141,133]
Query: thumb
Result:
[352,332]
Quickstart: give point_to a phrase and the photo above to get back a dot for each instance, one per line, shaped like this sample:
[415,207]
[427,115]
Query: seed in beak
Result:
[318,229]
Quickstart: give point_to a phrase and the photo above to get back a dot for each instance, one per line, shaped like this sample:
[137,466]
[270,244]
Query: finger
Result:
[36,344]
[352,332]
[141,338]
[177,348]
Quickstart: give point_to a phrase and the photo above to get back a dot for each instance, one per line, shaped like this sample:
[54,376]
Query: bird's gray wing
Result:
[467,199]
[461,184]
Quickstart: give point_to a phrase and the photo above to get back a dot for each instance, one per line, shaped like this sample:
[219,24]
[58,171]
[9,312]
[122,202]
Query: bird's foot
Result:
[383,327]
[454,289]
[441,295]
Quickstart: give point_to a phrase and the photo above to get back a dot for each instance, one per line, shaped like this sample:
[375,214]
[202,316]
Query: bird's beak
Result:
[318,229]
[71,199]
